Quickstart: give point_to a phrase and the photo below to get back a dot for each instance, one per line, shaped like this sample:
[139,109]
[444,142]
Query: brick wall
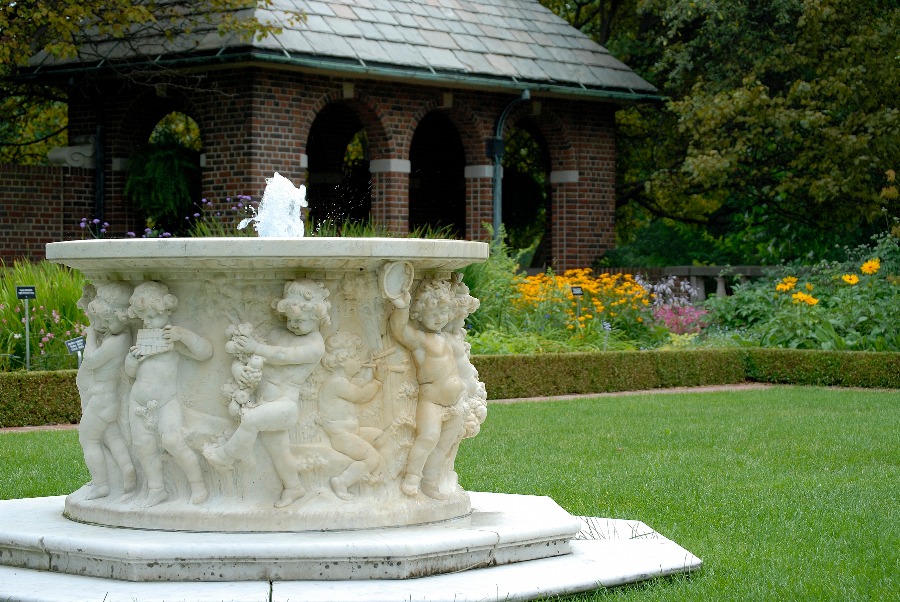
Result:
[255,121]
[40,205]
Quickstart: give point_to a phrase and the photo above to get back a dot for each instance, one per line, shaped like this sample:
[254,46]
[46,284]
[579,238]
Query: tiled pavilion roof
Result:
[483,43]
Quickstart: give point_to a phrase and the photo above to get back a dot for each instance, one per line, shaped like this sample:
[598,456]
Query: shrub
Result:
[36,398]
[851,305]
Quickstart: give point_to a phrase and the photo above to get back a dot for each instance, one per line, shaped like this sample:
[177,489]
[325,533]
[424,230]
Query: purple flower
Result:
[95,221]
[82,224]
[196,215]
[130,234]
[102,230]
[106,224]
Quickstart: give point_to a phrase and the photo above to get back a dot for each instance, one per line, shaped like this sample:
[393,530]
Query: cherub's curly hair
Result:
[153,296]
[431,293]
[340,346]
[110,298]
[305,298]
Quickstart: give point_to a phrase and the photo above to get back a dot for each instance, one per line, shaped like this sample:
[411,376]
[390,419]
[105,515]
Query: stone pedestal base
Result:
[511,547]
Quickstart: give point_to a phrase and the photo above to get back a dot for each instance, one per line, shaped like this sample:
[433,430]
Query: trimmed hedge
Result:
[510,376]
[826,368]
[35,398]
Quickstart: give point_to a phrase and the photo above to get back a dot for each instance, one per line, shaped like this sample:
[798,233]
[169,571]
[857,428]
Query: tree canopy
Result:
[32,114]
[780,123]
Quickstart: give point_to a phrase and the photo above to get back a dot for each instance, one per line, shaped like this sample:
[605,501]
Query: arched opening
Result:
[526,193]
[164,178]
[437,185]
[339,187]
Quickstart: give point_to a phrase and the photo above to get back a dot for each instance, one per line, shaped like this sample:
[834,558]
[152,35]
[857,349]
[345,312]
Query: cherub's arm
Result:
[114,348]
[189,343]
[402,330]
[307,351]
[131,362]
[345,389]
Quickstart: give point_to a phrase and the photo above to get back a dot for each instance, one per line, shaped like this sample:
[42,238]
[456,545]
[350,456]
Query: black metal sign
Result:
[26,292]
[75,345]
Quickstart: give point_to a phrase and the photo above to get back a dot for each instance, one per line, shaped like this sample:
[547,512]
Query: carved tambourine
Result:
[396,279]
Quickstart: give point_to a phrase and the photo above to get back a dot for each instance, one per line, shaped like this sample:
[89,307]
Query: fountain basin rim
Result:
[236,253]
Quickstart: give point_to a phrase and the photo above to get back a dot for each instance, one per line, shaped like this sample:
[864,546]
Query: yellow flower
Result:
[799,297]
[787,284]
[870,267]
[850,279]
[891,175]
[809,287]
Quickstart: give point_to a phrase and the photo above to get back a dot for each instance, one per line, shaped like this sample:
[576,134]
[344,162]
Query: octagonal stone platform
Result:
[517,548]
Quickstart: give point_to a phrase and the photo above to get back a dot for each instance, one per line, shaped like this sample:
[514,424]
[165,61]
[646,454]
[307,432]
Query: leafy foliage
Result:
[163,180]
[54,318]
[779,124]
[849,305]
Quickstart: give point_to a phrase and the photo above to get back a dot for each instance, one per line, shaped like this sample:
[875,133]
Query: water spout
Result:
[279,213]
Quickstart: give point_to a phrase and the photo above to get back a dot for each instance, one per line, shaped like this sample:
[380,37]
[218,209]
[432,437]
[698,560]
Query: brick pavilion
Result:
[425,81]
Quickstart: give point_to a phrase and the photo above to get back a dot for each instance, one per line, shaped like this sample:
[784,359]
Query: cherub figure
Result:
[338,397]
[107,341]
[466,305]
[441,390]
[156,414]
[290,356]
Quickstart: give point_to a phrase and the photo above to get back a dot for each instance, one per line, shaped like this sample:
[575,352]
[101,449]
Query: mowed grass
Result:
[786,493]
[40,463]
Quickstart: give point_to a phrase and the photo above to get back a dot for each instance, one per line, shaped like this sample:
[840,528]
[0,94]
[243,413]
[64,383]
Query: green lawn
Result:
[787,493]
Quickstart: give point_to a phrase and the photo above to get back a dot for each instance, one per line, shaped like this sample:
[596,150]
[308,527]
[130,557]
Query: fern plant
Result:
[164,181]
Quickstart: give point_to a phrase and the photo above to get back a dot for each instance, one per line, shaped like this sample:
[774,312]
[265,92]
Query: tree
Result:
[786,153]
[780,120]
[42,33]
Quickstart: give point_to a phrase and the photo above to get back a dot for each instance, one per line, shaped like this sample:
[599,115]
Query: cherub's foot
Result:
[218,457]
[198,492]
[432,490]
[97,491]
[289,496]
[155,496]
[129,477]
[410,485]
[340,490]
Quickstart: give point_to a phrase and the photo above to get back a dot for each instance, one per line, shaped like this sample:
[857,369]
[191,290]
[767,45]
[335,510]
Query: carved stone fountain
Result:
[273,384]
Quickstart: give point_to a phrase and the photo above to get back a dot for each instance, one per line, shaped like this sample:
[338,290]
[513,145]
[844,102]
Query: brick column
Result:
[479,200]
[566,221]
[390,193]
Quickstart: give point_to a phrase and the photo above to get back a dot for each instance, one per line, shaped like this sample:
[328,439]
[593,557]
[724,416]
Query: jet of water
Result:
[279,213]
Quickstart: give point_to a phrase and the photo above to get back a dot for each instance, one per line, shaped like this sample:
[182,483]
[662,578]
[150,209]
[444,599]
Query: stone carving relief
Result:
[338,401]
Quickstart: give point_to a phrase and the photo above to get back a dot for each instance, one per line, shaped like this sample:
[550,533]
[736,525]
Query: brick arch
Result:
[470,126]
[367,111]
[139,117]
[556,133]
[129,122]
